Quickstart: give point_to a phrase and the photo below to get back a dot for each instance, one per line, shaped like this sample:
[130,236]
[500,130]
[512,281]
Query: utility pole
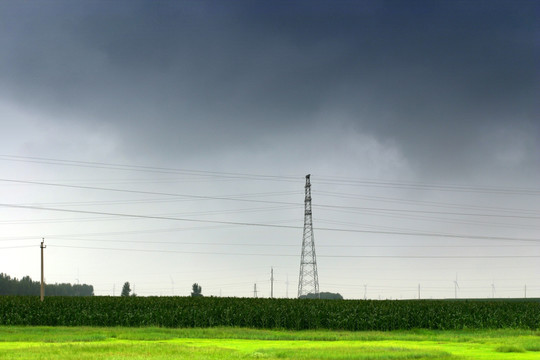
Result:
[309,279]
[456,286]
[42,246]
[255,290]
[418,291]
[271,282]
[525,291]
[287,288]
[365,291]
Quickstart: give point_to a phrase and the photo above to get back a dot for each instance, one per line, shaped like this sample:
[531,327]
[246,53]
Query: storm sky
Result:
[416,119]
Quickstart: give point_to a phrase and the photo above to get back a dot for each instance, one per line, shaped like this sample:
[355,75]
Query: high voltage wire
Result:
[152,169]
[118,233]
[264,201]
[235,198]
[424,186]
[214,212]
[323,179]
[153,200]
[431,219]
[420,202]
[18,246]
[296,255]
[270,225]
[153,231]
[423,211]
[245,244]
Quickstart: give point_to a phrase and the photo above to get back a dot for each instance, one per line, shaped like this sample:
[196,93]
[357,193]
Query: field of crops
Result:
[293,314]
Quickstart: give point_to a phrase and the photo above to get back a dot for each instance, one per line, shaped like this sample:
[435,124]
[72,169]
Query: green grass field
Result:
[235,343]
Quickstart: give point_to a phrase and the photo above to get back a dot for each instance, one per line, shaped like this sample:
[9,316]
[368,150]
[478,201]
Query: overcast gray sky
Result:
[416,119]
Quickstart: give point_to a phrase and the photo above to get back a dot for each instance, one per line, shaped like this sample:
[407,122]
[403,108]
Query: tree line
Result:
[26,286]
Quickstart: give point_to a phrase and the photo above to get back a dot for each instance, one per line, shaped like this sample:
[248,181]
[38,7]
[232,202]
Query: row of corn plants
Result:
[269,313]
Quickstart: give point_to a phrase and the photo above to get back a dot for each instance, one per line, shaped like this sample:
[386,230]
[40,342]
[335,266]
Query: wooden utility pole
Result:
[42,246]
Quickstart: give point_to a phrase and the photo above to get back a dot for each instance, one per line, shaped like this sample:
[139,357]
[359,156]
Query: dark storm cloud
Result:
[435,77]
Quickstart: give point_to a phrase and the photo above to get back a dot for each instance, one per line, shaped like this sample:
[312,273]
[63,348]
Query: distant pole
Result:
[287,289]
[418,291]
[525,291]
[271,282]
[42,246]
[365,292]
[255,290]
[456,286]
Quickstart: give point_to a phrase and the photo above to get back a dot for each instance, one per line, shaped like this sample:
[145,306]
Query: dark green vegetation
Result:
[177,312]
[126,290]
[323,295]
[197,290]
[26,286]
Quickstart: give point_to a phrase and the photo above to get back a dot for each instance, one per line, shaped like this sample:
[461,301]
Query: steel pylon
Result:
[308,281]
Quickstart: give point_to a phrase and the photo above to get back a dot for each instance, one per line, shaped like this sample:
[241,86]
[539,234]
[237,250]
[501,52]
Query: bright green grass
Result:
[234,343]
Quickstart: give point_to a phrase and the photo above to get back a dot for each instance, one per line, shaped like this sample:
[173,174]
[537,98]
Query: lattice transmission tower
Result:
[309,279]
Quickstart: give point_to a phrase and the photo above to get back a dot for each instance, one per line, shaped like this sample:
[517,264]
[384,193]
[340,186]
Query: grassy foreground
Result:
[238,343]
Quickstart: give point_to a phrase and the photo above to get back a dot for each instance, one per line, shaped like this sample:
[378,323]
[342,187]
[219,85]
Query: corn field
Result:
[290,314]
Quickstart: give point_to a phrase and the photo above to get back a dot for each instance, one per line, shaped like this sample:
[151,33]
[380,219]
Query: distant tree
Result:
[197,290]
[126,289]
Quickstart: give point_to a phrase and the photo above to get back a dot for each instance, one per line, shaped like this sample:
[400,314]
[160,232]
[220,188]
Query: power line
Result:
[18,247]
[203,213]
[424,212]
[152,200]
[239,198]
[405,215]
[270,225]
[393,228]
[119,233]
[246,244]
[422,202]
[425,186]
[293,255]
[152,169]
[235,198]
[322,179]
